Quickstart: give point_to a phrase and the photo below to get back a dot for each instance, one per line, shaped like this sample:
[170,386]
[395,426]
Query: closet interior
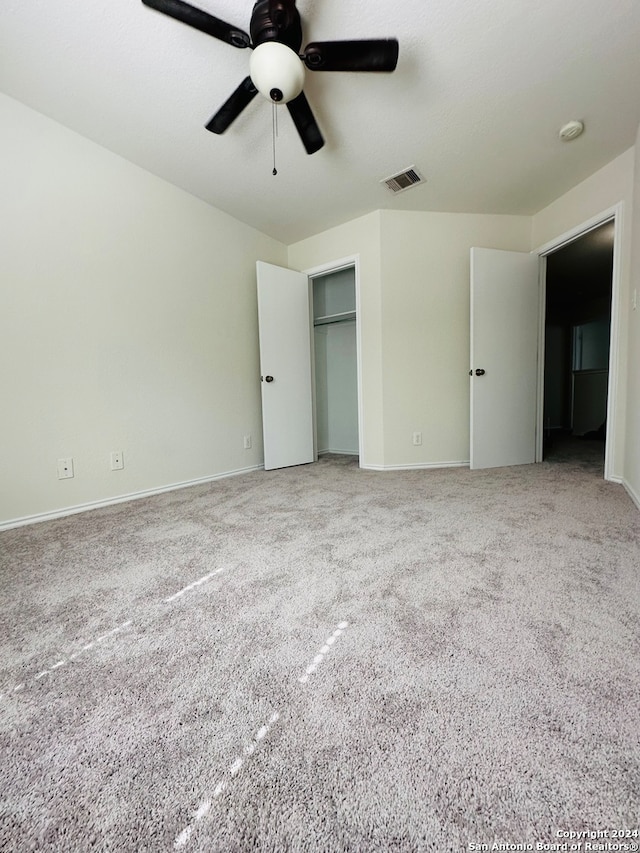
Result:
[335,362]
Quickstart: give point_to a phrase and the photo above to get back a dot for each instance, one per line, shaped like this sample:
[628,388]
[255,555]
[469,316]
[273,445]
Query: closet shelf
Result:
[334,318]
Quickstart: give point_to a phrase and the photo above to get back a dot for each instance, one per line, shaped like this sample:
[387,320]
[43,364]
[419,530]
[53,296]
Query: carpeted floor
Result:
[585,452]
[325,659]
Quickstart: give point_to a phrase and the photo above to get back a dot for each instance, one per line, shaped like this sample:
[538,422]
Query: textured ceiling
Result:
[476,102]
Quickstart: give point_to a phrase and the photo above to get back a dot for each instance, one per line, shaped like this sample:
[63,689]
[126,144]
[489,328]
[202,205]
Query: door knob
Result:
[479,372]
[270,378]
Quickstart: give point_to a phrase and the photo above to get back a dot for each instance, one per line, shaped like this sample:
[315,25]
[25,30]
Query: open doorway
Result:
[577,348]
[335,359]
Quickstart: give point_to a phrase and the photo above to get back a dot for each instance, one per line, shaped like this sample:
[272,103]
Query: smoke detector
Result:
[571,130]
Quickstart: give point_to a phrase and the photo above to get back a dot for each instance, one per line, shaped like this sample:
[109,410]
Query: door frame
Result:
[350,262]
[615,215]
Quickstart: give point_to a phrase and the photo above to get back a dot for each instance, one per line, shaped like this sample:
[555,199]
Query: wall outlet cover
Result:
[117,460]
[65,468]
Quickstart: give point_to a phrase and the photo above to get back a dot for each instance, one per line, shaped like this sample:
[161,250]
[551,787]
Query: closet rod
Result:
[335,318]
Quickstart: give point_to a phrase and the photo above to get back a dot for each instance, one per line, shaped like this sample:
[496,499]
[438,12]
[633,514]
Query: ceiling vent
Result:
[403,180]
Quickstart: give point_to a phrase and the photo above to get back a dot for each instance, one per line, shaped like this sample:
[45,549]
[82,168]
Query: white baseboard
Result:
[635,497]
[133,496]
[74,510]
[338,452]
[425,466]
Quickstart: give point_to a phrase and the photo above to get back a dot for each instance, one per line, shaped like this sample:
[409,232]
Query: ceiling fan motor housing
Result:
[276,20]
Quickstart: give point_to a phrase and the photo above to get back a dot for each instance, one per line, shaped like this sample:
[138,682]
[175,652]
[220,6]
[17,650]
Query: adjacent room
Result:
[577,347]
[320,459]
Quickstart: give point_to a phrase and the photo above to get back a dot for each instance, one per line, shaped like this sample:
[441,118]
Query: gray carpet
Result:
[326,659]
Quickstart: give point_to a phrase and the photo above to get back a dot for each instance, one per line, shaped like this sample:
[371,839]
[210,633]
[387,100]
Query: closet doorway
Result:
[579,279]
[334,301]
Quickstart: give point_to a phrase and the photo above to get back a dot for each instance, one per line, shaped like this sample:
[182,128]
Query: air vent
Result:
[404,180]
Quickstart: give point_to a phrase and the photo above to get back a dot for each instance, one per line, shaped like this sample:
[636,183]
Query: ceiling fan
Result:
[276,68]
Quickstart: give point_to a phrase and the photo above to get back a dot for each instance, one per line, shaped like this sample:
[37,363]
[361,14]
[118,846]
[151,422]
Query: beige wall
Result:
[425,328]
[415,324]
[600,192]
[415,284]
[632,460]
[128,322]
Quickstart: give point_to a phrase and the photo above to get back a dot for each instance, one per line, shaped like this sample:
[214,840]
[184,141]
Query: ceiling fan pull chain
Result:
[274,133]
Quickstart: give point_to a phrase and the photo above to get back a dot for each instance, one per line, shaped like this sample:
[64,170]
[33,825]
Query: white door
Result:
[504,357]
[285,366]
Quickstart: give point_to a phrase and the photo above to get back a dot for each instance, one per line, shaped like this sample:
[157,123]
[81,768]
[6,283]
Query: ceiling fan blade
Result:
[305,123]
[232,108]
[363,55]
[200,20]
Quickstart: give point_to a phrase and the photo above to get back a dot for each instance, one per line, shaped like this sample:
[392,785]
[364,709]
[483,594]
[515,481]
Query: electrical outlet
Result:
[117,460]
[65,468]
[247,442]
[417,438]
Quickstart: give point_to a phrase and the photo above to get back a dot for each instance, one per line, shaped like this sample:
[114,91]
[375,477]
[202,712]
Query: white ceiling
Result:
[481,89]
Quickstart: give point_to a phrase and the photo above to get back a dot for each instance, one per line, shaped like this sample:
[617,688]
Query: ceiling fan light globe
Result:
[275,67]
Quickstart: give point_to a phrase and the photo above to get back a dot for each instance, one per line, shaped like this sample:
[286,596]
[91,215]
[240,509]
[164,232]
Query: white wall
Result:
[128,322]
[632,459]
[598,193]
